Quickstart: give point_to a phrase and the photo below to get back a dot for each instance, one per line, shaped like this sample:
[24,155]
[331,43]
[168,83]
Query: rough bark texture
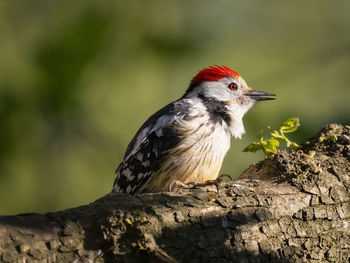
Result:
[292,208]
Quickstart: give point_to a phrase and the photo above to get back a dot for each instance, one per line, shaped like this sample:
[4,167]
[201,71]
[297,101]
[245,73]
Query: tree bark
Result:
[292,208]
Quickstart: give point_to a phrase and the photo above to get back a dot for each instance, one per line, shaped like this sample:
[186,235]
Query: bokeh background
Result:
[78,78]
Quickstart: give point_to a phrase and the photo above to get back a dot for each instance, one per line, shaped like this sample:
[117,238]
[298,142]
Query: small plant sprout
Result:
[270,146]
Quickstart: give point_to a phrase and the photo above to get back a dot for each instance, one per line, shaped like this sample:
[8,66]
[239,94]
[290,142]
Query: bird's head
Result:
[224,84]
[219,84]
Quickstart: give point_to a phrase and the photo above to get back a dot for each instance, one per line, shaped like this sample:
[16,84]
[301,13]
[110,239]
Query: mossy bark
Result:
[292,208]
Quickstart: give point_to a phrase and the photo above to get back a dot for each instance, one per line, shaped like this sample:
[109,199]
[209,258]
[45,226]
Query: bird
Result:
[186,141]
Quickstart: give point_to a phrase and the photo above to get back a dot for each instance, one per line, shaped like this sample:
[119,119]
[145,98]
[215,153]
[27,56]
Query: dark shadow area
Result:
[33,222]
[213,239]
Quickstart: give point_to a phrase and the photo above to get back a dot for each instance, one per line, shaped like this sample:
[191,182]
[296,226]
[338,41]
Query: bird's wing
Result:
[145,152]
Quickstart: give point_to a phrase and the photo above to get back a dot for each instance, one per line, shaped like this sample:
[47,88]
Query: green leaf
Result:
[290,125]
[253,147]
[288,142]
[276,134]
[272,145]
[294,145]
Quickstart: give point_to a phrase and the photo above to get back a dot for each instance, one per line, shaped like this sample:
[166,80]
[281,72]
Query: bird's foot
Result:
[192,185]
[220,178]
[178,184]
[196,190]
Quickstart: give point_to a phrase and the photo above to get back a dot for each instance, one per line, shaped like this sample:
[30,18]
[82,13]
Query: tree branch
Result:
[294,207]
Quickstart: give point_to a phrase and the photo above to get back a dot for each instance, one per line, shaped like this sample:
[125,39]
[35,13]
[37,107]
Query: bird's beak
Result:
[260,95]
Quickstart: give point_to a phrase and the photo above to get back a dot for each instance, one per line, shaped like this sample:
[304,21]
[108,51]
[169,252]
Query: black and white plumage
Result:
[187,140]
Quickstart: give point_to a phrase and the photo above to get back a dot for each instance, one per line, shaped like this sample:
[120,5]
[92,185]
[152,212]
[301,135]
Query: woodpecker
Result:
[188,139]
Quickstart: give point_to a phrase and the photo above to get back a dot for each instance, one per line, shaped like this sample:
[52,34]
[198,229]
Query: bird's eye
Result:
[233,86]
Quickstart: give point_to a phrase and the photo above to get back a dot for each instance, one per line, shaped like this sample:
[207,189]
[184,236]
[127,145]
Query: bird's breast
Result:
[200,153]
[196,158]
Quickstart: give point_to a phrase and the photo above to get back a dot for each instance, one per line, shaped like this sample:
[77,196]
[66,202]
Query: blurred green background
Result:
[78,78]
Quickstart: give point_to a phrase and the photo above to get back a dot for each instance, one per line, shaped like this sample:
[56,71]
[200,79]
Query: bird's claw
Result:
[220,177]
[193,185]
[178,183]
